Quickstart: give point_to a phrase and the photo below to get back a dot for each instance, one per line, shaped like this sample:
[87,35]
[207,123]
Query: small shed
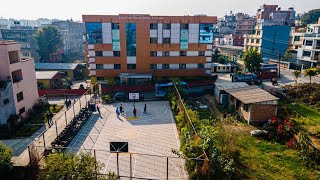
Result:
[47,79]
[253,103]
[221,68]
[221,87]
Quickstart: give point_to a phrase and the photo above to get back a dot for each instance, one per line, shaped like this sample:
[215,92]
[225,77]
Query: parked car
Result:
[121,96]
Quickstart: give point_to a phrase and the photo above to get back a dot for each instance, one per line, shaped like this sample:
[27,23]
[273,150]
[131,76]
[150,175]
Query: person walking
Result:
[69,102]
[98,109]
[145,108]
[50,118]
[121,109]
[118,113]
[134,112]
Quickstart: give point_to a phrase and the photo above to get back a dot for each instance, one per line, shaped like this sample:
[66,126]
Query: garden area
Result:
[280,151]
[34,120]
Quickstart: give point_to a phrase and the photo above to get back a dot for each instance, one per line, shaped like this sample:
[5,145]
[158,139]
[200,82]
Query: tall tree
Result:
[310,72]
[252,60]
[296,75]
[5,160]
[311,17]
[49,42]
[215,55]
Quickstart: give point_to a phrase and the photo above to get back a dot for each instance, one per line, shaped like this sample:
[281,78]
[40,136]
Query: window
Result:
[258,41]
[306,53]
[94,32]
[153,40]
[115,25]
[13,57]
[153,66]
[308,43]
[165,53]
[131,66]
[200,53]
[17,76]
[165,66]
[6,101]
[117,66]
[131,39]
[20,96]
[153,26]
[184,26]
[182,66]
[153,53]
[98,53]
[252,40]
[22,110]
[200,66]
[297,38]
[258,32]
[166,40]
[116,53]
[100,78]
[223,68]
[99,66]
[206,33]
[166,26]
[183,53]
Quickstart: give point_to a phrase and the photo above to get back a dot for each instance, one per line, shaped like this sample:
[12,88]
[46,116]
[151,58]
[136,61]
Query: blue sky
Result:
[65,9]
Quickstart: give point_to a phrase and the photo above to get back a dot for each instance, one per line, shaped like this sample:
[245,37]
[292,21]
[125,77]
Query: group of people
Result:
[49,117]
[120,111]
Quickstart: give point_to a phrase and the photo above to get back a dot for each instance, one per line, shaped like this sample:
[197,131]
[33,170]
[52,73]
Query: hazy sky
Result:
[65,9]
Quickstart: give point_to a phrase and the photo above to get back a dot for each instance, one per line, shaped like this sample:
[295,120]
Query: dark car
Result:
[120,96]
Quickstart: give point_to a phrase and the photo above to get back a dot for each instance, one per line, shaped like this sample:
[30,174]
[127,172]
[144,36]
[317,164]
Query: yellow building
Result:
[47,79]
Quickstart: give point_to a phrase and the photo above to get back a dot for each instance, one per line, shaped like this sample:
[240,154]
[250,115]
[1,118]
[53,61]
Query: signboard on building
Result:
[133,96]
[115,39]
[184,39]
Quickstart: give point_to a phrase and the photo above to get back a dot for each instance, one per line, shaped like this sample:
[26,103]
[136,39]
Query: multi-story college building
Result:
[134,46]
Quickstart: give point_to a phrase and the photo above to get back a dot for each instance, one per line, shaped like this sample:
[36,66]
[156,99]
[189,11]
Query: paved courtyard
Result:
[151,137]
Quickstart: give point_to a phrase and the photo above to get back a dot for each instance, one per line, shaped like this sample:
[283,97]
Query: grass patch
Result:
[261,159]
[205,114]
[306,117]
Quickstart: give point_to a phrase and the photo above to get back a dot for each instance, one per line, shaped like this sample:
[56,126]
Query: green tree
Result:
[252,60]
[49,42]
[215,55]
[287,55]
[311,17]
[296,75]
[222,60]
[310,72]
[70,166]
[5,160]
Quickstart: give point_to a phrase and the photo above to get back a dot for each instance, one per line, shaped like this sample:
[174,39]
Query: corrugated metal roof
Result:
[56,66]
[251,94]
[230,85]
[45,74]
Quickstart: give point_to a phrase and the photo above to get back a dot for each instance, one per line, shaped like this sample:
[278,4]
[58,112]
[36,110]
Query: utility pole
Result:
[279,57]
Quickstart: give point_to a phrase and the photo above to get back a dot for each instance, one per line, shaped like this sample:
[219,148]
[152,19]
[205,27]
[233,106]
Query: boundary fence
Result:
[187,120]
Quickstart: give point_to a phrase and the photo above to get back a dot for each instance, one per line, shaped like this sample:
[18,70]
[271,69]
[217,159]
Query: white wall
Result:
[106,33]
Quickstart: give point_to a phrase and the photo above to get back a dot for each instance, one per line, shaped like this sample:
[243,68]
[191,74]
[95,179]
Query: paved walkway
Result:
[153,132]
[51,132]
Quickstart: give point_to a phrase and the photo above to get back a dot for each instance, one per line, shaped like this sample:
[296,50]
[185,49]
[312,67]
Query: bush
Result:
[5,160]
[106,98]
